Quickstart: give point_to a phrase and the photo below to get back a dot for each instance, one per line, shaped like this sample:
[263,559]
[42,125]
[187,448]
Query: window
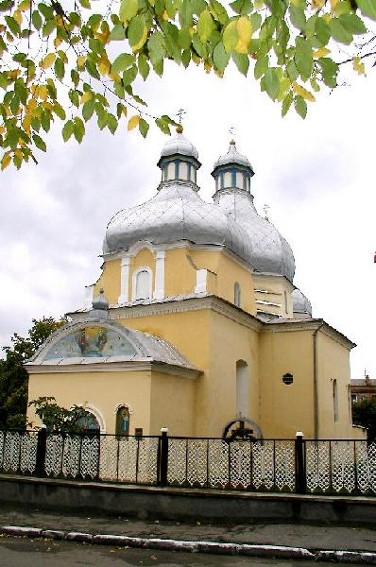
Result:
[122,421]
[242,389]
[142,284]
[335,400]
[237,294]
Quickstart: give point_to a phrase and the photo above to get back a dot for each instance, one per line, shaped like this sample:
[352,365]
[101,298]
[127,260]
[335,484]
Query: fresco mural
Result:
[91,341]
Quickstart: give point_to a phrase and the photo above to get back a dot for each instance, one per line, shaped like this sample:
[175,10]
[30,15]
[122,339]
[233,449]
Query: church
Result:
[195,323]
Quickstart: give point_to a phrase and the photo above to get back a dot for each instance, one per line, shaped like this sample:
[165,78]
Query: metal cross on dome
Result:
[180,114]
[266,208]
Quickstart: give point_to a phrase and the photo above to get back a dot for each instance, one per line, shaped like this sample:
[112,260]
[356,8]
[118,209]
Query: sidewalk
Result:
[300,541]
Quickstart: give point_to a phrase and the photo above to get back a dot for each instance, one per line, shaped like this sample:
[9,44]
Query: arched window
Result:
[88,423]
[142,284]
[335,400]
[122,421]
[237,294]
[242,389]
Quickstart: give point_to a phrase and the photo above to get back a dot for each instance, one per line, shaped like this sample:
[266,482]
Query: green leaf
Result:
[303,58]
[117,33]
[128,10]
[143,127]
[297,16]
[368,8]
[292,71]
[220,57]
[143,66]
[48,27]
[59,111]
[39,142]
[322,31]
[122,62]
[262,64]
[46,10]
[12,25]
[186,57]
[300,106]
[163,125]
[137,32]
[218,11]
[112,123]
[78,129]
[329,70]
[68,130]
[270,82]
[157,49]
[230,36]
[339,33]
[205,26]
[242,6]
[242,62]
[36,18]
[59,68]
[286,103]
[129,75]
[353,24]
[6,5]
[88,109]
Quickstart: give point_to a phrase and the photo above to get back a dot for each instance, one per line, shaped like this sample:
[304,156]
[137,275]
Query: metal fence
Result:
[279,465]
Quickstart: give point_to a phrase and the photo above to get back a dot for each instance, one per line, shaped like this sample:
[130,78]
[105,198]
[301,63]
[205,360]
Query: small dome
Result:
[100,302]
[301,303]
[179,145]
[233,157]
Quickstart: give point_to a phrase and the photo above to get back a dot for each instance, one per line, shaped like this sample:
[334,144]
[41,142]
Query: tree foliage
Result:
[364,414]
[76,61]
[13,376]
[58,419]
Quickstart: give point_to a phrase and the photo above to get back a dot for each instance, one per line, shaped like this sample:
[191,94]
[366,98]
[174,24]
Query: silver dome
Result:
[270,252]
[176,213]
[233,157]
[301,303]
[179,145]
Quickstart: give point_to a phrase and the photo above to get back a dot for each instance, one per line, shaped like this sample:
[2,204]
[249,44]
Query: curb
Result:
[255,550]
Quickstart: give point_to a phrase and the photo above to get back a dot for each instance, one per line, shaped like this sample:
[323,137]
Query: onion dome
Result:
[270,252]
[177,212]
[100,306]
[301,304]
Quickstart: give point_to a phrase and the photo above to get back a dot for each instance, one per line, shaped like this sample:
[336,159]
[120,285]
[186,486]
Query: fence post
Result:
[41,452]
[163,462]
[300,469]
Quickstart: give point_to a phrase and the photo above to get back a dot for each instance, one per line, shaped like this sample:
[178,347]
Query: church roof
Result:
[97,342]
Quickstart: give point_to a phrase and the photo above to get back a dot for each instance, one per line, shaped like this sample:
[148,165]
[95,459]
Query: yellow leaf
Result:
[86,96]
[333,4]
[42,92]
[115,77]
[317,4]
[26,123]
[17,16]
[143,38]
[13,74]
[307,95]
[322,52]
[359,66]
[244,29]
[24,5]
[81,60]
[7,158]
[57,41]
[18,153]
[104,66]
[133,122]
[48,61]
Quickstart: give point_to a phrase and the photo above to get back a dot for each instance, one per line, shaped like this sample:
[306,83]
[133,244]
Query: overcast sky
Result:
[317,176]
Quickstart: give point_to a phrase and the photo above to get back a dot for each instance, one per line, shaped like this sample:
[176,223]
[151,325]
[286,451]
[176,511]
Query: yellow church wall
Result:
[332,364]
[286,409]
[180,274]
[109,281]
[103,391]
[229,272]
[144,257]
[172,404]
[274,290]
[216,390]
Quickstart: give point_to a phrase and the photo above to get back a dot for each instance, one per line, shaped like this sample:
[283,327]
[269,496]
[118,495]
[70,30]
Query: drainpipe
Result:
[315,383]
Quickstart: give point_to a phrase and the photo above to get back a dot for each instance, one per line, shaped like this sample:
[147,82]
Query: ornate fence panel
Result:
[129,459]
[244,465]
[72,456]
[340,466]
[18,451]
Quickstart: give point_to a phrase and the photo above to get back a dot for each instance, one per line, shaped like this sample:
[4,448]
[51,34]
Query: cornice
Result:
[128,366]
[294,325]
[186,305]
